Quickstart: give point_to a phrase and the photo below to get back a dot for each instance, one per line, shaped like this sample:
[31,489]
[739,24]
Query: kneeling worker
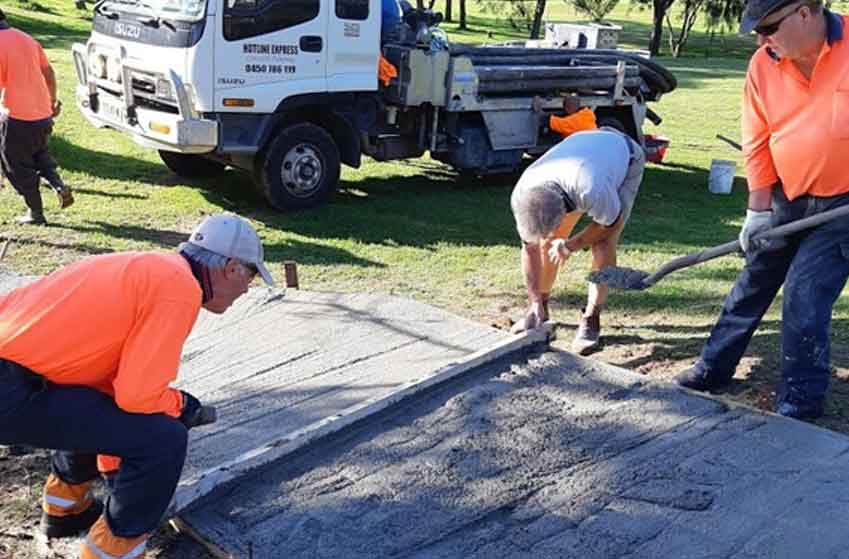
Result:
[87,354]
[597,172]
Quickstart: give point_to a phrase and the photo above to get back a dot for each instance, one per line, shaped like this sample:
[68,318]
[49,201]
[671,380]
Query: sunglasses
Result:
[770,29]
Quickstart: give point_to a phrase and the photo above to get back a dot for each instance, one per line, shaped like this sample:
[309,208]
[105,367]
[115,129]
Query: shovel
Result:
[628,278]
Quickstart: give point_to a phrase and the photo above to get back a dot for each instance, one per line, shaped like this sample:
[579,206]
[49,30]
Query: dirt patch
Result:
[660,348]
[21,479]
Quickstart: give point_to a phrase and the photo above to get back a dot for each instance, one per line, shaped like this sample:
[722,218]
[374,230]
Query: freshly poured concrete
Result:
[558,458]
[282,370]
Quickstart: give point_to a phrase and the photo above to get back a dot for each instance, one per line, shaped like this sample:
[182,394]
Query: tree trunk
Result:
[658,14]
[447,14]
[538,12]
[462,15]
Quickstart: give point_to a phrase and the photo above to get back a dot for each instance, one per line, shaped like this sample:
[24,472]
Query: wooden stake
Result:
[291,270]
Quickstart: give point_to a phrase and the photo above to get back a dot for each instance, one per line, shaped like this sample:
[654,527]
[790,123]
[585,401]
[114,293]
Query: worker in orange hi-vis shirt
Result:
[575,118]
[29,105]
[795,126]
[87,356]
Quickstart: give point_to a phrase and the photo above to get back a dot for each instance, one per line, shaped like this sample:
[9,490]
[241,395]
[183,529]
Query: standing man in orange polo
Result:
[795,144]
[27,110]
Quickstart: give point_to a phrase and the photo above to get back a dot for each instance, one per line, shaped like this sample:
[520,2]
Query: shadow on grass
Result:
[50,32]
[232,189]
[435,207]
[309,253]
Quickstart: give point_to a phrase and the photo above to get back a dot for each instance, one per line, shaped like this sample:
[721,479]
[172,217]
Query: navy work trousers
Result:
[813,266]
[25,158]
[79,423]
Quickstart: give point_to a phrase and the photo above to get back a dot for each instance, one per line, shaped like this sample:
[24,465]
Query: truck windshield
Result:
[184,10]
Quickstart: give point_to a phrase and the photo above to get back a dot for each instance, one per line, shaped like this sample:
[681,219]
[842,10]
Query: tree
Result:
[448,11]
[718,14]
[462,15]
[659,9]
[692,8]
[537,23]
[595,9]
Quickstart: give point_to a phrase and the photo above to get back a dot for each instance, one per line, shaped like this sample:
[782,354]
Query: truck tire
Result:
[189,165]
[299,168]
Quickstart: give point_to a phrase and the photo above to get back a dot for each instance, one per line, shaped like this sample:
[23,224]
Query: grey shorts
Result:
[631,185]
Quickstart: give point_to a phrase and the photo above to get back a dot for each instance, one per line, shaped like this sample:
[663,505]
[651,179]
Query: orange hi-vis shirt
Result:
[116,323]
[21,60]
[797,130]
[583,119]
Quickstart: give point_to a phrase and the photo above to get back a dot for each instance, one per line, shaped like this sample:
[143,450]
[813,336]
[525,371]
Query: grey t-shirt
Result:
[589,166]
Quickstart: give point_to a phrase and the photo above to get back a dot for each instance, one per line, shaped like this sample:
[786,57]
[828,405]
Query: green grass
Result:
[411,228]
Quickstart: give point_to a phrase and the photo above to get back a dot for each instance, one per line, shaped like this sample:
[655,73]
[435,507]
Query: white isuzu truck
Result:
[288,90]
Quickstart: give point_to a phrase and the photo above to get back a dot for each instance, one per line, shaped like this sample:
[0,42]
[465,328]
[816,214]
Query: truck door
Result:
[353,34]
[268,50]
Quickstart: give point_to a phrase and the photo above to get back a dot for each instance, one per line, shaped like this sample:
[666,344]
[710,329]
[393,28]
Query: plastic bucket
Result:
[721,176]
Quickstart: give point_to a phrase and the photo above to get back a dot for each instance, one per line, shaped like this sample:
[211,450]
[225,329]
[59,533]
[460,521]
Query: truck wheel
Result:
[299,169]
[190,165]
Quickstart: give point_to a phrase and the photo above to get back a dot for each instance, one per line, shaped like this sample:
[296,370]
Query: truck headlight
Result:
[163,89]
[97,66]
[113,69]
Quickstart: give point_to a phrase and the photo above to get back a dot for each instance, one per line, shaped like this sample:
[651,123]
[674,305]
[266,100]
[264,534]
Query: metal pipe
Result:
[504,73]
[550,85]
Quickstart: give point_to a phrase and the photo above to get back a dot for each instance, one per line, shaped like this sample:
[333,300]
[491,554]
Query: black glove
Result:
[194,414]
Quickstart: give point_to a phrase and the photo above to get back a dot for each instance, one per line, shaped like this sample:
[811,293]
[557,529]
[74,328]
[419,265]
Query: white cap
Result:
[233,237]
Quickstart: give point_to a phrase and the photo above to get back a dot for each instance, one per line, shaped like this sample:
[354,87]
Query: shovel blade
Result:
[619,277]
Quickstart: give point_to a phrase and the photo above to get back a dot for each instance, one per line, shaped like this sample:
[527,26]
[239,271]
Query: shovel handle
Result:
[734,246]
[691,260]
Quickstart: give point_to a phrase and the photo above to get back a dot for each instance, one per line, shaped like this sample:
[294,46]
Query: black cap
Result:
[756,10]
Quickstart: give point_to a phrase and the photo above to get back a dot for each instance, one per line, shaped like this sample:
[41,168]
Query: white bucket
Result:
[721,176]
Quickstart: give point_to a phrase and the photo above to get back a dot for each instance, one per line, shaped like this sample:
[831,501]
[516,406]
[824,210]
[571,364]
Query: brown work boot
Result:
[32,218]
[587,338]
[66,198]
[101,542]
[67,509]
[531,320]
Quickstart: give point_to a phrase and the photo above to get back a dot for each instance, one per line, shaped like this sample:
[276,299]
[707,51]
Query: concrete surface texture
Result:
[276,364]
[559,457]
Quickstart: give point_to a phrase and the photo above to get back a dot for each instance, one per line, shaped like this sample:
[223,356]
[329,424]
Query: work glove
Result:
[558,252]
[756,222]
[195,414]
[534,318]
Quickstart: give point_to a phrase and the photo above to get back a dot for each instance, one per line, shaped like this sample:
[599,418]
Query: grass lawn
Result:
[411,228]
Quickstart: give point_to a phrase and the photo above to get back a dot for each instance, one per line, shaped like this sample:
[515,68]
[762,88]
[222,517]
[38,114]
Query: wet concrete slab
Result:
[556,457]
[282,370]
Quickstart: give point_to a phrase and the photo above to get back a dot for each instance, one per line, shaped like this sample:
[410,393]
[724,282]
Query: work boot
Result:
[695,378]
[587,338]
[529,321]
[793,402]
[35,209]
[101,542]
[67,509]
[66,198]
[32,217]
